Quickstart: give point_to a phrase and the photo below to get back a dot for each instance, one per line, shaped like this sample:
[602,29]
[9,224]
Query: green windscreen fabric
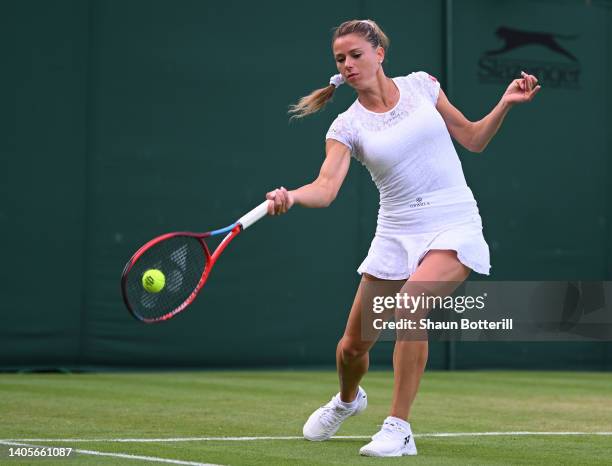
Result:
[137,118]
[43,203]
[543,182]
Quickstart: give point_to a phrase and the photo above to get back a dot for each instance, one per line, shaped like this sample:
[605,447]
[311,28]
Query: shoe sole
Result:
[376,455]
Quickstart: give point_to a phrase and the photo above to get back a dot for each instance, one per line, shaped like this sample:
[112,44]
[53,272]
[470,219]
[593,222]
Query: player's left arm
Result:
[475,135]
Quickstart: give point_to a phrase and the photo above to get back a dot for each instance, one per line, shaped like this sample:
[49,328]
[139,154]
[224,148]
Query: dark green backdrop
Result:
[133,118]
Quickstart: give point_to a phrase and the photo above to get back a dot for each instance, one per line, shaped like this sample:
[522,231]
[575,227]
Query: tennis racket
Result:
[166,274]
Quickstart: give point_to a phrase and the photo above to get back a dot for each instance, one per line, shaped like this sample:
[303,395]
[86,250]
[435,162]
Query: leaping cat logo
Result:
[515,38]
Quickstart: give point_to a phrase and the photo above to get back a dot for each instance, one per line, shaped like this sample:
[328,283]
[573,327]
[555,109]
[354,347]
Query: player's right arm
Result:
[322,191]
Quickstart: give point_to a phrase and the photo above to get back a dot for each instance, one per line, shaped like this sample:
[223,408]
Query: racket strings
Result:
[181,260]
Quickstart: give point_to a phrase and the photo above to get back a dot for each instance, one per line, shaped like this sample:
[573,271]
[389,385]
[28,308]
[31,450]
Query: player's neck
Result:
[382,96]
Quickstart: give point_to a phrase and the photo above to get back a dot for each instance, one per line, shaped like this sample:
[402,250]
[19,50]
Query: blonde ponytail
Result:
[317,99]
[312,102]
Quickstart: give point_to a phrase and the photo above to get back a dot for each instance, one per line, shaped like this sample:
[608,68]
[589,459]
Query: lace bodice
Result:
[407,149]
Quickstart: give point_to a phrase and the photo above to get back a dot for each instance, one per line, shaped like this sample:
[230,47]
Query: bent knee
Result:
[353,349]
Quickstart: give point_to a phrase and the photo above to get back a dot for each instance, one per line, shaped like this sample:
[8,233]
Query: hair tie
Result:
[336,80]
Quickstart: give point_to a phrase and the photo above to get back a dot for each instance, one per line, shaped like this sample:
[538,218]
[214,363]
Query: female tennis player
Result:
[429,228]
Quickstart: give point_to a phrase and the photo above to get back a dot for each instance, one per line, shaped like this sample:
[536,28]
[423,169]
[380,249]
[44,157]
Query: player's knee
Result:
[351,349]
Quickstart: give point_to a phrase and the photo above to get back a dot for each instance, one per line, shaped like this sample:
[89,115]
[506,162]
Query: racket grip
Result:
[254,215]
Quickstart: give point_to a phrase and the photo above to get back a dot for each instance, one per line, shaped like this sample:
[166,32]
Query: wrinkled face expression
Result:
[356,59]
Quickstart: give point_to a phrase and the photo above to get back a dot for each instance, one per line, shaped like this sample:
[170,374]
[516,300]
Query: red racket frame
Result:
[210,262]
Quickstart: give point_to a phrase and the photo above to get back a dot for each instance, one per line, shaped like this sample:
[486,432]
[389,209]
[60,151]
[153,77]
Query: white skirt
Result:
[406,231]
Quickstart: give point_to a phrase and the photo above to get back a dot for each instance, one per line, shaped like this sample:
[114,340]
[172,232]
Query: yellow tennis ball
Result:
[153,280]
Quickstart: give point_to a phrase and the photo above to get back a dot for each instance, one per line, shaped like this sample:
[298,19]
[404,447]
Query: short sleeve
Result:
[428,85]
[340,130]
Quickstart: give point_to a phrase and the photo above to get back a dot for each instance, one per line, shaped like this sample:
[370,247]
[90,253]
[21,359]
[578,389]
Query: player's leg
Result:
[352,352]
[352,362]
[439,273]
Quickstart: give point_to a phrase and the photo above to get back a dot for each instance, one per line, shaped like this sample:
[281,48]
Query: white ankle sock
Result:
[400,422]
[350,404]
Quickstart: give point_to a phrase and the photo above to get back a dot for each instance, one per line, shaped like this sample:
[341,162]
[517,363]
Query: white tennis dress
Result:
[425,202]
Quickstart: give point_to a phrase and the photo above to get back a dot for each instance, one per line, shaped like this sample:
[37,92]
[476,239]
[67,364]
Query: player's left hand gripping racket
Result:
[166,274]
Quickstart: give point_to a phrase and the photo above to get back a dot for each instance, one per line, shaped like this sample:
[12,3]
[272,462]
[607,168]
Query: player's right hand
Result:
[282,201]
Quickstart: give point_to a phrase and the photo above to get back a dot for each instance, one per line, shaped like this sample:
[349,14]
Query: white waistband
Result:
[428,212]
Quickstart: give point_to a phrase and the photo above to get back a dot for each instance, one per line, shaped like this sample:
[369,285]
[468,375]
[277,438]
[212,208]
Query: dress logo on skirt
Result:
[419,203]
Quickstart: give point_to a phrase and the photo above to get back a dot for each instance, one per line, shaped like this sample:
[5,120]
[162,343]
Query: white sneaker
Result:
[326,420]
[394,439]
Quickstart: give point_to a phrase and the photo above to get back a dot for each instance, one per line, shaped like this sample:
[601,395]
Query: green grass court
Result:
[105,406]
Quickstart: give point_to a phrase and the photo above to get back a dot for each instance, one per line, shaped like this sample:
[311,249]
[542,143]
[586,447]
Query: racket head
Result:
[185,262]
